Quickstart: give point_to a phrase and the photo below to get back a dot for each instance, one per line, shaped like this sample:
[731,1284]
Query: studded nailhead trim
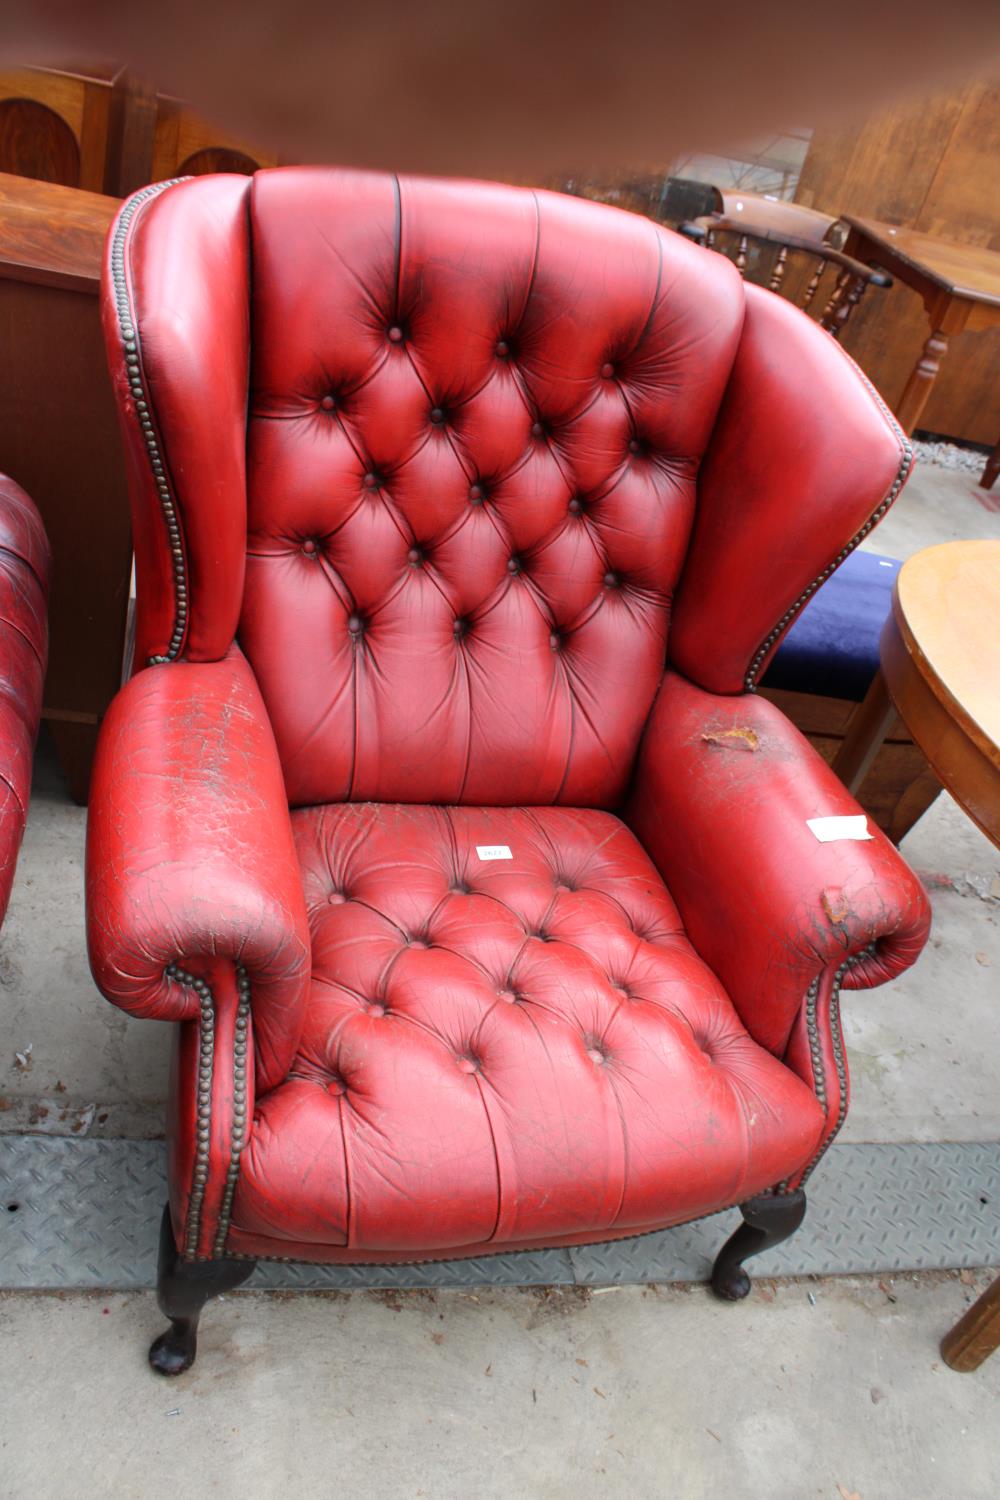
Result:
[239,1109]
[905,465]
[203,1112]
[143,408]
[840,1066]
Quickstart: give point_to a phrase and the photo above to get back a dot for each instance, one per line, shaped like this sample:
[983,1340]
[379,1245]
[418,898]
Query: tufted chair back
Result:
[476,419]
[434,454]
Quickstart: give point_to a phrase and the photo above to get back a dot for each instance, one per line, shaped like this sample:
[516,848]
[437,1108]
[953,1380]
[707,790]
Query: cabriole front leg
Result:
[182,1289]
[767,1221]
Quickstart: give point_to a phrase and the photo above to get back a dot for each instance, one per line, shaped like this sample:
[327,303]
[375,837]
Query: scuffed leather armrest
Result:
[720,799]
[190,857]
[25,564]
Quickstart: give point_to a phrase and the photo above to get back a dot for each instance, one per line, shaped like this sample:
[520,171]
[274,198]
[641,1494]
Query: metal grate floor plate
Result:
[85,1214]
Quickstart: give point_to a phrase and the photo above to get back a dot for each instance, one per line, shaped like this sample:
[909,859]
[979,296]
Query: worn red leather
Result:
[800,467]
[723,791]
[544,952]
[473,443]
[547,1010]
[190,855]
[25,564]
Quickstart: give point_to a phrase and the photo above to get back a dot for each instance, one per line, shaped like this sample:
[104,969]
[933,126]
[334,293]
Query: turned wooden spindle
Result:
[837,296]
[778,275]
[847,304]
[741,255]
[814,283]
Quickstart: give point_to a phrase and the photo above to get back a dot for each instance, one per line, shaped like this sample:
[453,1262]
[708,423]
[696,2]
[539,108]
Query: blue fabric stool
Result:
[824,667]
[833,646]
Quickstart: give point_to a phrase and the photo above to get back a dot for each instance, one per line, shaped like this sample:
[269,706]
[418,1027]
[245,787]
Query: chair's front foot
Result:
[174,1351]
[767,1221]
[182,1289]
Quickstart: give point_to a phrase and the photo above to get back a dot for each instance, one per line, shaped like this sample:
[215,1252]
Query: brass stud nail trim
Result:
[128,328]
[203,1115]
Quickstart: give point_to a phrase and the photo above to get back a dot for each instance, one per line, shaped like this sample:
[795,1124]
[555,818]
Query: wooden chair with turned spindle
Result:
[760,235]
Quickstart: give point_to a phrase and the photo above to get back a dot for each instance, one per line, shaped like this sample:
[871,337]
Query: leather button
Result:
[611,580]
[355,624]
[468,1065]
[555,640]
[336,1086]
[437,415]
[508,996]
[537,430]
[375,1009]
[460,628]
[309,547]
[396,334]
[595,1055]
[576,505]
[415,556]
[477,494]
[635,446]
[371,481]
[328,403]
[502,348]
[514,565]
[607,370]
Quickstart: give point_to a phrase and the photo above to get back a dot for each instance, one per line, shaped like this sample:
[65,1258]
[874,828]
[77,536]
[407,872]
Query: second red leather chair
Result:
[441,816]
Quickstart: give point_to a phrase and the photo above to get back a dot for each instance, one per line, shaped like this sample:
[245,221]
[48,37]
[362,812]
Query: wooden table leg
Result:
[870,723]
[922,378]
[976,1334]
[991,470]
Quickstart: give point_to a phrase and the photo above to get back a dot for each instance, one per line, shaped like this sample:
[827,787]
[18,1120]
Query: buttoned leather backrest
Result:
[476,415]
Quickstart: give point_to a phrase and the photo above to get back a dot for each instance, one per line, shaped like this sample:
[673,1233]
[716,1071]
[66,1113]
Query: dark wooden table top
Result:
[967,271]
[51,234]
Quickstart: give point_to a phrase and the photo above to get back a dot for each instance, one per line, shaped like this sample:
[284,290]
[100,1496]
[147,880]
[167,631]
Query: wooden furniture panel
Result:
[186,145]
[32,145]
[930,167]
[59,439]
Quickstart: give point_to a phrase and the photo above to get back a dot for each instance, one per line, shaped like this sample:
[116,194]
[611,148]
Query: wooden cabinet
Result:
[59,439]
[931,167]
[54,126]
[102,130]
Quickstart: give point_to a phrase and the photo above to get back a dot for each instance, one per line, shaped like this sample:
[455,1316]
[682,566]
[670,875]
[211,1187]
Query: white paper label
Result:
[493,851]
[827,830]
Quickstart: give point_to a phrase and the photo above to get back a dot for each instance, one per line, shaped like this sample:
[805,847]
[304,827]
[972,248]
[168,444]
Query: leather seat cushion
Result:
[504,1051]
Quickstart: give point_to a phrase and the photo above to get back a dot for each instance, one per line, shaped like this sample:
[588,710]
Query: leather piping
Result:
[902,473]
[128,328]
[203,1114]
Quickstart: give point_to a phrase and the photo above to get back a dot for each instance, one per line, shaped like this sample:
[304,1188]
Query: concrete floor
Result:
[511,1393]
[657,1394]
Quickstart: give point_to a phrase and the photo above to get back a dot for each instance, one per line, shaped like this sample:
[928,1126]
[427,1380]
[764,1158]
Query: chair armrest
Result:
[722,791]
[190,857]
[25,564]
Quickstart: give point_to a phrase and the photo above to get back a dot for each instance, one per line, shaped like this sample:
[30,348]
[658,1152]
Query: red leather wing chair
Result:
[441,816]
[25,562]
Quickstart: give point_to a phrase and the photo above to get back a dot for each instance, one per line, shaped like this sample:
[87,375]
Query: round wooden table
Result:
[940,652]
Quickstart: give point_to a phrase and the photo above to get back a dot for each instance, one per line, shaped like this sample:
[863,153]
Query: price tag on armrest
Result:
[829,830]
